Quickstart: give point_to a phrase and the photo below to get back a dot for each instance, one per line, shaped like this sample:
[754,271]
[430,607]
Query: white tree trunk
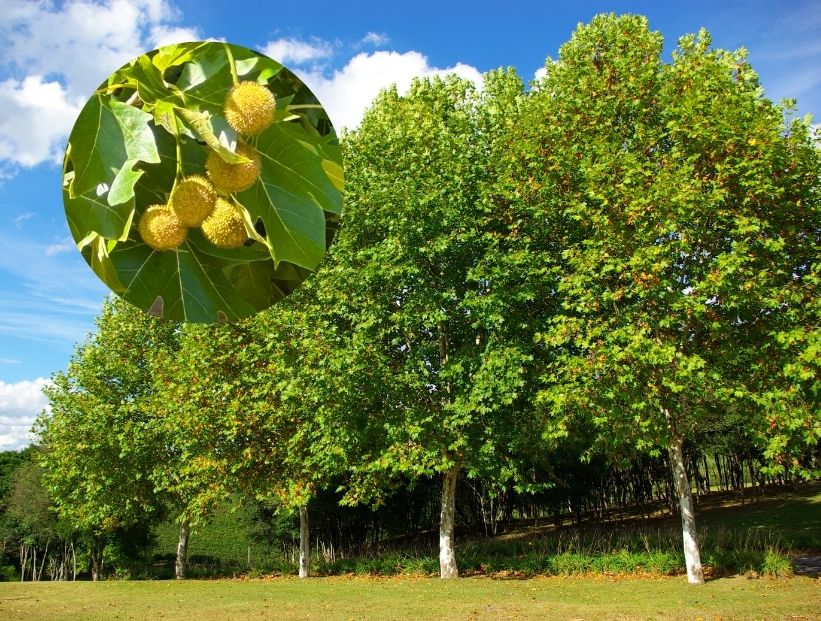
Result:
[692,556]
[447,555]
[304,543]
[182,549]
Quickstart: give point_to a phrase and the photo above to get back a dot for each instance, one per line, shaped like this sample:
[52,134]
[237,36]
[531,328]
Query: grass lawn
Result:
[342,598]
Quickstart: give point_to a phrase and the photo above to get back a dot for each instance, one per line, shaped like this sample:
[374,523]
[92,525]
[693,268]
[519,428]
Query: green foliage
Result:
[152,123]
[692,216]
[100,442]
[623,257]
[776,564]
[404,282]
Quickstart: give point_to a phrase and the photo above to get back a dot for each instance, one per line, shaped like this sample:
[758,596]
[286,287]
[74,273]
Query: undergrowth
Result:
[723,551]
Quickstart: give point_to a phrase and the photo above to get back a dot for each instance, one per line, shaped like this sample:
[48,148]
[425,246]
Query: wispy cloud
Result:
[784,45]
[290,51]
[374,38]
[51,297]
[18,221]
[66,245]
[10,361]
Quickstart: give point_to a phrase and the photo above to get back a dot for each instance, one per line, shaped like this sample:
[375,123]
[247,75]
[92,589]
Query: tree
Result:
[100,443]
[245,403]
[693,245]
[406,285]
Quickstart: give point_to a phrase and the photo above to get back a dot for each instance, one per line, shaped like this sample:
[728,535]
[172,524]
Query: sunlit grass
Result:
[402,598]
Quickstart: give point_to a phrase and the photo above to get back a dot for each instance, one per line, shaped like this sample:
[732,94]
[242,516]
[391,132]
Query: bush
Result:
[9,573]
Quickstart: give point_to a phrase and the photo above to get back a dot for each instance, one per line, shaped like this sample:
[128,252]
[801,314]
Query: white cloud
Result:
[166,35]
[348,92]
[541,73]
[37,116]
[374,38]
[66,245]
[297,52]
[10,361]
[52,57]
[20,403]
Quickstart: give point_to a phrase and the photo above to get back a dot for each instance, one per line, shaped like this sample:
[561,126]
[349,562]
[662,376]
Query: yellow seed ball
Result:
[225,227]
[160,228]
[249,108]
[233,177]
[192,199]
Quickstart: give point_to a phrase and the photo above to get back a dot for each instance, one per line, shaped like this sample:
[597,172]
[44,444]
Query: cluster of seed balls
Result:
[197,201]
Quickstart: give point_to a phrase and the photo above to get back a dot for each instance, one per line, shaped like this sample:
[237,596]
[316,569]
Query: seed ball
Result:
[192,199]
[225,227]
[160,228]
[233,177]
[249,108]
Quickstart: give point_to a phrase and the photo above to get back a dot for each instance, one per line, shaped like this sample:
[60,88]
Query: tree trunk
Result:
[304,543]
[692,557]
[182,549]
[447,556]
[43,563]
[96,561]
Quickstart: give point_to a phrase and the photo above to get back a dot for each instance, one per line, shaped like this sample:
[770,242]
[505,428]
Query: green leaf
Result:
[107,134]
[181,284]
[91,214]
[102,265]
[292,195]
[122,188]
[175,55]
[221,138]
[125,157]
[149,81]
[255,282]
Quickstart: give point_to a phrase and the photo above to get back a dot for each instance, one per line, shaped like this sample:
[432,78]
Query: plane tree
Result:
[410,284]
[99,442]
[689,269]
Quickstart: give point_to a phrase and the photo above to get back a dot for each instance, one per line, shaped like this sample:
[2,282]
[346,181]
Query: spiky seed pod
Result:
[249,108]
[225,227]
[160,228]
[192,199]
[233,177]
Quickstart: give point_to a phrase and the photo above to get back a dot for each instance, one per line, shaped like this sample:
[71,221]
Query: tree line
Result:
[613,273]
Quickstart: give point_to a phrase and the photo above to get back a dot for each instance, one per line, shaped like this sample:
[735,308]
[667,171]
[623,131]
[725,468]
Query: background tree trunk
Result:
[304,543]
[692,556]
[182,549]
[447,555]
[96,561]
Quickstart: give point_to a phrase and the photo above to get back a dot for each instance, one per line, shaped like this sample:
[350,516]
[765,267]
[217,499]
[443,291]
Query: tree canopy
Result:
[608,266]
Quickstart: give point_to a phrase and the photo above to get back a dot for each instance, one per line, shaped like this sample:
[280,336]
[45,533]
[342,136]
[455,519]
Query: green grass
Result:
[793,517]
[341,599]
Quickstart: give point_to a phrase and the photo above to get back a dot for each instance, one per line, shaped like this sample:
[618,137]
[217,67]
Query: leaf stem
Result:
[179,149]
[111,87]
[231,64]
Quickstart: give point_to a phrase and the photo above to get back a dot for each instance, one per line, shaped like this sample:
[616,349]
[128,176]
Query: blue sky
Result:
[53,54]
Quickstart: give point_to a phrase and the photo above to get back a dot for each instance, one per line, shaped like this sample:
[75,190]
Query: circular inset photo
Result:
[203,182]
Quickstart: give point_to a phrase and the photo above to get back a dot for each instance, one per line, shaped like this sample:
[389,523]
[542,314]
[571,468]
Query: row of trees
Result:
[627,252]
